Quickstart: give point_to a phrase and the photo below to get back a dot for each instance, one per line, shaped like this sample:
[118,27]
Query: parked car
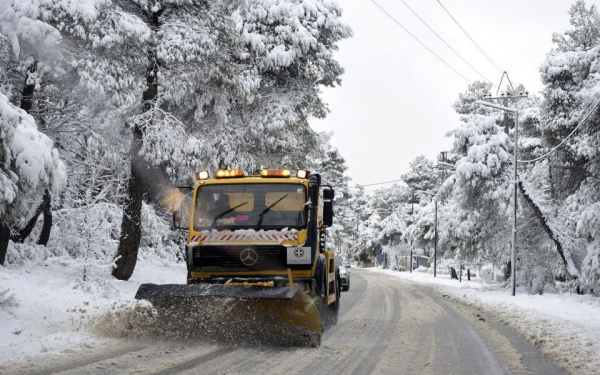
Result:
[345,278]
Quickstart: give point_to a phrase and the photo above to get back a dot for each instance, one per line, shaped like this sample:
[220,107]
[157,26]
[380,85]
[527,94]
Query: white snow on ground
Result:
[53,311]
[565,327]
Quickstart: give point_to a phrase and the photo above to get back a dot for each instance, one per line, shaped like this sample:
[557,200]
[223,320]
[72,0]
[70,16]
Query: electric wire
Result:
[382,183]
[417,39]
[443,41]
[566,139]
[472,40]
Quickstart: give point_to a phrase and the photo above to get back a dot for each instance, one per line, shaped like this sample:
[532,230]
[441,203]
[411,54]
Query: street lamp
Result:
[514,228]
[446,164]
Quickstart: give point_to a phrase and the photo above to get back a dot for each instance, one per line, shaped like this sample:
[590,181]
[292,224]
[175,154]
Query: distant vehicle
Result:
[345,278]
[347,264]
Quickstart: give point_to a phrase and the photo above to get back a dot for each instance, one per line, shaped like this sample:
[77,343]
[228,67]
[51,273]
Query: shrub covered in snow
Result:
[29,163]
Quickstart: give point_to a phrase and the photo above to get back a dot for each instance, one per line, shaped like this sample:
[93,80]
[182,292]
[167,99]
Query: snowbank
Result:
[53,312]
[565,327]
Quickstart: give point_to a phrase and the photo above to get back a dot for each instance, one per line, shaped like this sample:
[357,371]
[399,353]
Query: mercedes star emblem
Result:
[248,257]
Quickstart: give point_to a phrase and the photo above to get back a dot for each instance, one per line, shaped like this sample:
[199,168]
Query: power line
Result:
[382,183]
[417,39]
[447,45]
[567,138]
[472,40]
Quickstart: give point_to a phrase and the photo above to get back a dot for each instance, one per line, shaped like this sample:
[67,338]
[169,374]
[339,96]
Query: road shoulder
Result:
[570,344]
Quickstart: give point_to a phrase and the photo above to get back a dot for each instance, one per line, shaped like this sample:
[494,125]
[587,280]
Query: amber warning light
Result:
[283,173]
[235,173]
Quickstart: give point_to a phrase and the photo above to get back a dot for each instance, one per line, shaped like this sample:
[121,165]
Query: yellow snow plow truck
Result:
[256,254]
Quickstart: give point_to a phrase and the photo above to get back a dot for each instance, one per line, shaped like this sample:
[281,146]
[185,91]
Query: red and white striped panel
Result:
[228,236]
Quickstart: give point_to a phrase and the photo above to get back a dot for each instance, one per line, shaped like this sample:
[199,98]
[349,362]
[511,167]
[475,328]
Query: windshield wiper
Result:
[264,212]
[225,213]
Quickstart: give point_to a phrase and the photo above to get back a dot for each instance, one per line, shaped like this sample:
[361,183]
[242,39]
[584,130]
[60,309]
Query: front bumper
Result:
[345,280]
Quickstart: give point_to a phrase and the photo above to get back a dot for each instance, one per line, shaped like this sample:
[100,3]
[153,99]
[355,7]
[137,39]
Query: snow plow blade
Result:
[154,291]
[266,313]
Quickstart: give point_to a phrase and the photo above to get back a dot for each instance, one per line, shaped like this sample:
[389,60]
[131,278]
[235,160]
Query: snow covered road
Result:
[386,326]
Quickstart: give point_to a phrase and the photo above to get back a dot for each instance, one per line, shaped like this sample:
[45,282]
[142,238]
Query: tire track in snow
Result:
[87,361]
[193,363]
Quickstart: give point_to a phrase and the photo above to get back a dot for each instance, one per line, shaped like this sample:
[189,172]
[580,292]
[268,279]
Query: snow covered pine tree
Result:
[29,164]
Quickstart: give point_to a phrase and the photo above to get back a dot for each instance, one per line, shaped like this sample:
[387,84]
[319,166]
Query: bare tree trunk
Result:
[4,238]
[47,227]
[45,206]
[453,274]
[543,220]
[131,231]
[26,230]
[28,90]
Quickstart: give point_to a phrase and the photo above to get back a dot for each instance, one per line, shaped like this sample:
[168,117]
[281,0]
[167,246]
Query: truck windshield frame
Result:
[251,199]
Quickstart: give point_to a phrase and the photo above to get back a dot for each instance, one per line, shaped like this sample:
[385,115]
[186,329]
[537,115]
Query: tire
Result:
[322,309]
[332,311]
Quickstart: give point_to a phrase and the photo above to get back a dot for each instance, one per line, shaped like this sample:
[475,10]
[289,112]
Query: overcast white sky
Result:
[395,100]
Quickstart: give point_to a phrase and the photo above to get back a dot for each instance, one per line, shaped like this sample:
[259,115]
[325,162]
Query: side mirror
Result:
[328,194]
[328,213]
[180,204]
[177,220]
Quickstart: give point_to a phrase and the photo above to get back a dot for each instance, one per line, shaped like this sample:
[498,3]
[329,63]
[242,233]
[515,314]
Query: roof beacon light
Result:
[281,173]
[229,173]
[202,175]
[303,174]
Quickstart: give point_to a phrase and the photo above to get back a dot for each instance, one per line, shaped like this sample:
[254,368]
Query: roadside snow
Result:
[565,327]
[53,311]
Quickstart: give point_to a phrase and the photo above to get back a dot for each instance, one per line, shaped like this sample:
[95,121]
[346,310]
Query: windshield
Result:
[250,206]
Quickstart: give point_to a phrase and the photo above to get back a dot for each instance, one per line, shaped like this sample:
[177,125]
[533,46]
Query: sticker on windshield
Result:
[241,218]
[298,255]
[300,190]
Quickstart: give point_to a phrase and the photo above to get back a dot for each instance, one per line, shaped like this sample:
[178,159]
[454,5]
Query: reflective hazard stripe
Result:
[228,236]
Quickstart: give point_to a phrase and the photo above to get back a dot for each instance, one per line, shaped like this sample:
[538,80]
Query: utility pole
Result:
[435,240]
[356,235]
[515,174]
[513,259]
[506,128]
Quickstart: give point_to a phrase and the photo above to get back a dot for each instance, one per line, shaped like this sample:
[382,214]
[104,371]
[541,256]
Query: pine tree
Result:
[29,164]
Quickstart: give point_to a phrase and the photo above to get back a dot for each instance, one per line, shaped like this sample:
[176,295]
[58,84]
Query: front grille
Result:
[230,258]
